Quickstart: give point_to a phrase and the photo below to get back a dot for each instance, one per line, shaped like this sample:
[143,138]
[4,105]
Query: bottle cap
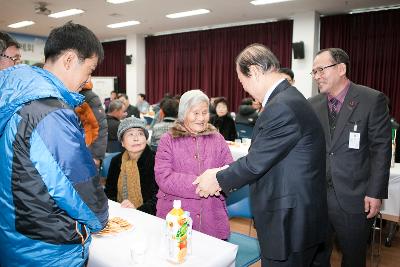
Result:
[177,204]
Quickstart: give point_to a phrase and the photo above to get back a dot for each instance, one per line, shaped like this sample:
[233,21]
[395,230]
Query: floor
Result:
[390,256]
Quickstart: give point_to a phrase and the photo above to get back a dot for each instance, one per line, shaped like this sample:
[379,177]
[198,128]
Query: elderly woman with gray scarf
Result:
[190,147]
[130,178]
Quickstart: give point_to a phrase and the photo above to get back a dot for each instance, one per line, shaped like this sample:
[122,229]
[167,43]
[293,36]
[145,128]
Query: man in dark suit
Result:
[285,165]
[356,123]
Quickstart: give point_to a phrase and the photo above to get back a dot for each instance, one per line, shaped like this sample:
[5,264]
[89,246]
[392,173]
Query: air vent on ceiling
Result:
[42,9]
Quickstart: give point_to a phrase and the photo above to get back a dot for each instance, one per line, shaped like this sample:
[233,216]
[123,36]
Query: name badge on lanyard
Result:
[354,138]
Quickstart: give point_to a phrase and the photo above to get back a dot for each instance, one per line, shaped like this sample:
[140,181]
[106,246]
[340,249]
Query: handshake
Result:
[207,184]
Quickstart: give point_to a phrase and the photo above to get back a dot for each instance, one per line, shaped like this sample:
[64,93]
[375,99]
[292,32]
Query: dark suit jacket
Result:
[357,173]
[148,183]
[285,168]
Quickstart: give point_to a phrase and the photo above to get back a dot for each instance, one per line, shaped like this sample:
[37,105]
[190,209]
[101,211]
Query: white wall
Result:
[135,72]
[306,29]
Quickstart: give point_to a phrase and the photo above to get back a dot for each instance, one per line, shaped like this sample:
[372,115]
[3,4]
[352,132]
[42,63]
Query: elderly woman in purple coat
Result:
[190,147]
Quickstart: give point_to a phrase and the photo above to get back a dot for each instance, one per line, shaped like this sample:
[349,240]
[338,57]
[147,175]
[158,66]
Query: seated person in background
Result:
[289,75]
[94,122]
[247,114]
[189,148]
[108,100]
[142,104]
[223,120]
[130,178]
[129,109]
[169,108]
[116,112]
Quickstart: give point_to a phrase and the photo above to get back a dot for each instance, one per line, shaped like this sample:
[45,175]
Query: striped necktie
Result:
[333,112]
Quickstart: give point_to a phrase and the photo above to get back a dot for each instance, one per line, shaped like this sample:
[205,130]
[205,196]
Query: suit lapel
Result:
[322,108]
[349,105]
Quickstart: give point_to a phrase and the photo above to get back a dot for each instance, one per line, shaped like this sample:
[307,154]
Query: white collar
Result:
[269,92]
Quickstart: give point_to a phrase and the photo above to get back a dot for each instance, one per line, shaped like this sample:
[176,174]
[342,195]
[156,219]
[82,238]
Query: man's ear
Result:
[253,71]
[67,59]
[342,69]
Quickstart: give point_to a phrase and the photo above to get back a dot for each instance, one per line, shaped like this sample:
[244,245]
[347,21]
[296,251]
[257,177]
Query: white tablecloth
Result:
[238,150]
[114,251]
[391,206]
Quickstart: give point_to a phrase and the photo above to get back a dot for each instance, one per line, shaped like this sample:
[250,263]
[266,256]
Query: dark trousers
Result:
[352,231]
[296,259]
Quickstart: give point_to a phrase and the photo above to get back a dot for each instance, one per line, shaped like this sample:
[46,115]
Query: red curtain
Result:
[206,59]
[114,63]
[372,41]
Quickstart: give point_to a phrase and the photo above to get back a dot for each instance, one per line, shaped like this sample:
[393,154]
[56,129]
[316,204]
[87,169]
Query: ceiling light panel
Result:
[66,13]
[188,13]
[123,24]
[118,1]
[21,24]
[267,2]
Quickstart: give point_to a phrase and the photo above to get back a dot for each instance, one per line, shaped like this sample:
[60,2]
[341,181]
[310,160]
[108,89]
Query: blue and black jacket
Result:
[50,196]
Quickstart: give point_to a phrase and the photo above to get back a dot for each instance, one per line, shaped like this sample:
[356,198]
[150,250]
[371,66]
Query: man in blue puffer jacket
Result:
[50,196]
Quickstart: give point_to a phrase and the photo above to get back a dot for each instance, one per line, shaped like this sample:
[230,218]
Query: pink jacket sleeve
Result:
[225,157]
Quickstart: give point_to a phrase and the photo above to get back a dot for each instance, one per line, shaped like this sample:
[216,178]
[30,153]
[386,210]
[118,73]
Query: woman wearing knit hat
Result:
[130,178]
[190,147]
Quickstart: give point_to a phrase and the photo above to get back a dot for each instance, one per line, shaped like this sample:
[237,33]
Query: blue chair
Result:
[238,205]
[244,130]
[148,119]
[105,165]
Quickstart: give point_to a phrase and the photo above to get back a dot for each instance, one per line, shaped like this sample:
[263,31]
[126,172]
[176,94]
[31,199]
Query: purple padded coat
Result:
[181,157]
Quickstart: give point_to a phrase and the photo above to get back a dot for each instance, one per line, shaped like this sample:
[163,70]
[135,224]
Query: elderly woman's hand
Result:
[127,204]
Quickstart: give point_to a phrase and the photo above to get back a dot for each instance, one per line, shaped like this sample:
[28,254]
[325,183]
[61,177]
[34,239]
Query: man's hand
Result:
[207,183]
[127,204]
[372,206]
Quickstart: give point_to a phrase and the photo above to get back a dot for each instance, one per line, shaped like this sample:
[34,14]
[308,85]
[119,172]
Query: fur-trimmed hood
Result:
[179,130]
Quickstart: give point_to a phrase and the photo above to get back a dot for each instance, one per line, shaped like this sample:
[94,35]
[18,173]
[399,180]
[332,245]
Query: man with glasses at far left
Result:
[10,53]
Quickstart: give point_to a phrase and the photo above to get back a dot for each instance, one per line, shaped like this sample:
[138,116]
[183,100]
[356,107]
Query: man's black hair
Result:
[170,107]
[74,37]
[288,72]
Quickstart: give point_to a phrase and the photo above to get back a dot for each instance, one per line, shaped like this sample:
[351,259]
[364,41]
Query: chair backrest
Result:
[105,165]
[148,119]
[238,203]
[244,130]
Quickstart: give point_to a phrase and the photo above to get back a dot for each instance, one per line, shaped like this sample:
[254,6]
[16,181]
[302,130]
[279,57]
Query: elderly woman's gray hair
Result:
[257,55]
[190,99]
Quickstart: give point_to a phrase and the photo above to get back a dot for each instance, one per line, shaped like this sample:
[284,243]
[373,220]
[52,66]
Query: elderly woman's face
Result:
[221,109]
[197,117]
[134,140]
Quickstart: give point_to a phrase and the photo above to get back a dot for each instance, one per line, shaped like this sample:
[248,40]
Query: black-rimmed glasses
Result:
[15,59]
[320,70]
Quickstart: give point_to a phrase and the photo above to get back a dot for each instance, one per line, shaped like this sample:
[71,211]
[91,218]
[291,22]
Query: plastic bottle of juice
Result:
[178,226]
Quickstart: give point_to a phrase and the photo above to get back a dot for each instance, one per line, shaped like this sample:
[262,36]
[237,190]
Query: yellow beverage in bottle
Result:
[178,226]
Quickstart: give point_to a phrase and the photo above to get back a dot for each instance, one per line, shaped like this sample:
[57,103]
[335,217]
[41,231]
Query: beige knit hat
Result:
[131,122]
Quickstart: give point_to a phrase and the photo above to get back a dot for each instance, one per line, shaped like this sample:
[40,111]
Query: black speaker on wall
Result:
[298,50]
[128,59]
